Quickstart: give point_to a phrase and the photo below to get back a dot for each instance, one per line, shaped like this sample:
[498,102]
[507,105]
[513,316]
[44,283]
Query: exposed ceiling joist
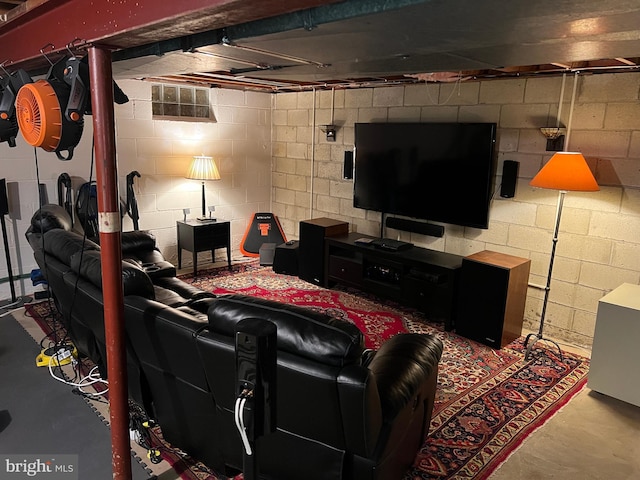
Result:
[272,46]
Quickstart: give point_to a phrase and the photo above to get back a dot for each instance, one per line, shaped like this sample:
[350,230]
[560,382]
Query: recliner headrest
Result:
[137,240]
[49,217]
[63,244]
[134,280]
[301,331]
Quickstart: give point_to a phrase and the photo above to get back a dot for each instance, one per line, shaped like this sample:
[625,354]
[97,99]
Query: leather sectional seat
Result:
[343,411]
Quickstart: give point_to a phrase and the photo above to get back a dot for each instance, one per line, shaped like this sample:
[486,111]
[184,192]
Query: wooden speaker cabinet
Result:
[311,250]
[491,297]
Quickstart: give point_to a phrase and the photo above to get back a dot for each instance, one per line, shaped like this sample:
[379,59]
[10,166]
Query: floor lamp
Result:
[565,171]
[203,168]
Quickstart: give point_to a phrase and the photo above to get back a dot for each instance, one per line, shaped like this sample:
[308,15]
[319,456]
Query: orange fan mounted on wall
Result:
[51,112]
[41,111]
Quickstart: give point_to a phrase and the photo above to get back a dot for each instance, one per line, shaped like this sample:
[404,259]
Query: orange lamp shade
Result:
[566,171]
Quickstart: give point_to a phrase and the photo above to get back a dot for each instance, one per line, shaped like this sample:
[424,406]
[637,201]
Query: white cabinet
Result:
[615,356]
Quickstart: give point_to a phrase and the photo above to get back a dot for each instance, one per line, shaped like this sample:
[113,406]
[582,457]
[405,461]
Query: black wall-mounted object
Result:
[414,226]
[9,87]
[43,195]
[417,170]
[555,144]
[509,178]
[4,209]
[4,200]
[347,172]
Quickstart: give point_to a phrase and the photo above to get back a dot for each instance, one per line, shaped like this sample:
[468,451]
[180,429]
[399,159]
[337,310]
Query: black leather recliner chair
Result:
[343,412]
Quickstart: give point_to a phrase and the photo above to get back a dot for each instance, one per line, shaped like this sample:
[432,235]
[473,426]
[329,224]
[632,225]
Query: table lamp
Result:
[203,168]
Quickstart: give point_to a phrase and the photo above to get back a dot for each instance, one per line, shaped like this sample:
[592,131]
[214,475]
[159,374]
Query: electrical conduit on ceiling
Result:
[564,81]
[573,102]
[313,151]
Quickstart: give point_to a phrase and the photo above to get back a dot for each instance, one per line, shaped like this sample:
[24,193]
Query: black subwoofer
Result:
[286,258]
[267,252]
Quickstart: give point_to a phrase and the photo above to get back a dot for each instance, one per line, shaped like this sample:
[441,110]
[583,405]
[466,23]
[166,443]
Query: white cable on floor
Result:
[86,381]
[12,307]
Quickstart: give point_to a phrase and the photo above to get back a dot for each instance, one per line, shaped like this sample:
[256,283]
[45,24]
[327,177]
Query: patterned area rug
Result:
[487,402]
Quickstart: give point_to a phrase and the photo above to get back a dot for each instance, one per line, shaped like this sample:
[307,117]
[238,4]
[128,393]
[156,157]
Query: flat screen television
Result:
[433,171]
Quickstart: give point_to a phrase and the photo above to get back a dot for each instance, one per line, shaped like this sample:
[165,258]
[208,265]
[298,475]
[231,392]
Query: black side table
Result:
[196,236]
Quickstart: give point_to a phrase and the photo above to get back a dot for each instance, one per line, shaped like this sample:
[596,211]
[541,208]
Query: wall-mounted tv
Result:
[433,171]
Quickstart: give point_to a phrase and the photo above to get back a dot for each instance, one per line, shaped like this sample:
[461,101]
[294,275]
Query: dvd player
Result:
[391,245]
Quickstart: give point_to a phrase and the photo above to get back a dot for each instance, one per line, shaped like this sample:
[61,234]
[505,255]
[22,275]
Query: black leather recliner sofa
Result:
[71,265]
[343,412]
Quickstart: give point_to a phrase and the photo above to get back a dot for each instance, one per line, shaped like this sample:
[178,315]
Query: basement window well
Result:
[173,102]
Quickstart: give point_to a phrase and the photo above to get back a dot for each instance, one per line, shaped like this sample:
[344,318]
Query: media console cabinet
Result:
[418,277]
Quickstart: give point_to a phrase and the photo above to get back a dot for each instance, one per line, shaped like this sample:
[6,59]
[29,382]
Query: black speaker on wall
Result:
[347,173]
[4,200]
[509,178]
[414,226]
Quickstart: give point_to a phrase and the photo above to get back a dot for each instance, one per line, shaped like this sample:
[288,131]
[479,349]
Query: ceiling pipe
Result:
[573,102]
[564,81]
[101,79]
[313,154]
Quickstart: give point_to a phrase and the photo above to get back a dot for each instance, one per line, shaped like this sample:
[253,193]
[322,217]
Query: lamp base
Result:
[538,337]
[206,219]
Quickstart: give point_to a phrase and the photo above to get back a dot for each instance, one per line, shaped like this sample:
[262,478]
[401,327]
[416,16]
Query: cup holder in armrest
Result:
[158,269]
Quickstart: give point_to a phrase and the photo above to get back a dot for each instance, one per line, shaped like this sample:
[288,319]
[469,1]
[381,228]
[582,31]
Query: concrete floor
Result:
[593,437]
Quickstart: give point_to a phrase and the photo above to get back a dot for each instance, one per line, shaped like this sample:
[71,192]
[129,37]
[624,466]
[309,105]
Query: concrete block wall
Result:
[273,156]
[239,139]
[24,167]
[599,240]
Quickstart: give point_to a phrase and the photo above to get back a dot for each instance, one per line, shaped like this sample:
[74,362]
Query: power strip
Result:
[63,354]
[56,356]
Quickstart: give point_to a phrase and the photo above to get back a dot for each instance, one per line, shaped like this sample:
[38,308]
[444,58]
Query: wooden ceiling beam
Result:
[122,24]
[626,61]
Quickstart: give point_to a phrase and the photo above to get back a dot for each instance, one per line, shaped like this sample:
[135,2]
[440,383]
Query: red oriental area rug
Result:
[488,401]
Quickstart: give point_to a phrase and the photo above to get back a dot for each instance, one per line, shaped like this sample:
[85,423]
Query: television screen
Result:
[433,171]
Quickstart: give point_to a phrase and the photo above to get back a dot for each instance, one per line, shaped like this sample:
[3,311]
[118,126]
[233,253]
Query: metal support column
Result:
[101,78]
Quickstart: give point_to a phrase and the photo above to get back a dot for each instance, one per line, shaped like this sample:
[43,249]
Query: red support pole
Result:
[101,79]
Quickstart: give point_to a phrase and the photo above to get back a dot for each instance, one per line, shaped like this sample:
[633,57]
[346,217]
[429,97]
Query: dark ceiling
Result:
[375,42]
